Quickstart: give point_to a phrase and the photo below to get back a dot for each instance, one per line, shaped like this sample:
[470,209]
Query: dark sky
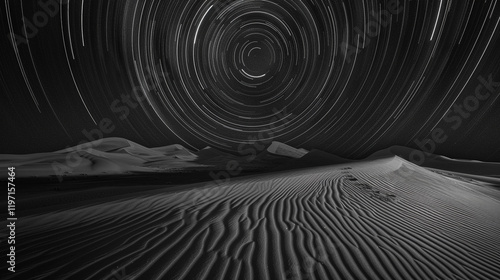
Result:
[347,76]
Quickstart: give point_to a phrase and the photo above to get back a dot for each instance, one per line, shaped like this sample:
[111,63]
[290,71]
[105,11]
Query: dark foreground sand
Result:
[384,219]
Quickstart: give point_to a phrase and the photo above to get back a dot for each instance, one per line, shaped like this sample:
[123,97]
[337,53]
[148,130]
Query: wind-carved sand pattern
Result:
[301,224]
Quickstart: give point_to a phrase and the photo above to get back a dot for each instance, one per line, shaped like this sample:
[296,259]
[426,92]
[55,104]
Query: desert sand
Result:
[377,219]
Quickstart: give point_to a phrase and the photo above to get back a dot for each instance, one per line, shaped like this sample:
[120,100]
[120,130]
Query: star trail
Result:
[349,77]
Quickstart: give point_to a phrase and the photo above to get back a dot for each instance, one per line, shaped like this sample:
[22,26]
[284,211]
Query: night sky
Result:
[347,76]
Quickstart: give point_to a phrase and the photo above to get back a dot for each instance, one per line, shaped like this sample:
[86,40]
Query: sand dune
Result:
[473,167]
[213,157]
[314,158]
[363,220]
[282,149]
[105,156]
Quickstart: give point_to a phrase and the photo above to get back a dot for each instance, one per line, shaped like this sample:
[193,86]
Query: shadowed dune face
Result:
[358,221]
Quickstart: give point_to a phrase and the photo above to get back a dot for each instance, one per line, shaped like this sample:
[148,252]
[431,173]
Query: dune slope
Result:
[368,220]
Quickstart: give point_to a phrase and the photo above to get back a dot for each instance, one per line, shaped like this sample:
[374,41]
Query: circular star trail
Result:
[348,77]
[235,69]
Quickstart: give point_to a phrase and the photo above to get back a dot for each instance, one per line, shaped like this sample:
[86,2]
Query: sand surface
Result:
[381,219]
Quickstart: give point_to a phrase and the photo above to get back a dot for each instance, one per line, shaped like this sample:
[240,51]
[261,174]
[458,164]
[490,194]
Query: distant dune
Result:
[105,156]
[176,151]
[485,171]
[314,158]
[281,149]
[254,160]
[214,157]
[359,220]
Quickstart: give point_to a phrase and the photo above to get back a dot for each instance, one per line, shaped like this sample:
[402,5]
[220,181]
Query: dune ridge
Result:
[354,221]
